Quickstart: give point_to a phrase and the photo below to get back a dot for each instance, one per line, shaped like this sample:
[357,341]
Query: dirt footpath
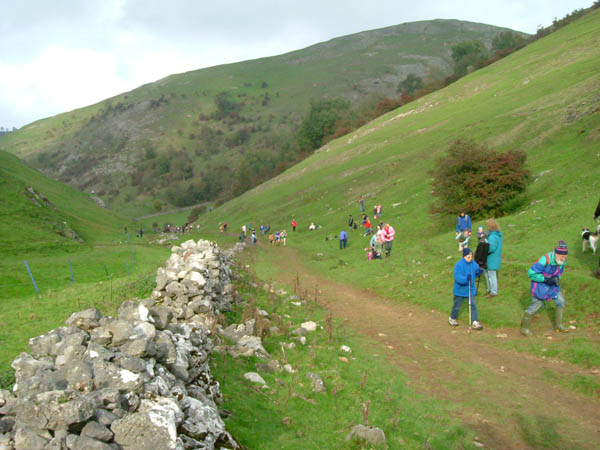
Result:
[510,399]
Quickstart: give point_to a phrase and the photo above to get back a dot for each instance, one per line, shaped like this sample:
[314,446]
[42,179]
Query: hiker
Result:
[225,226]
[376,243]
[141,232]
[244,230]
[388,237]
[463,222]
[350,222]
[545,277]
[294,224]
[343,239]
[494,258]
[463,240]
[368,230]
[253,237]
[465,272]
[312,227]
[362,203]
[283,237]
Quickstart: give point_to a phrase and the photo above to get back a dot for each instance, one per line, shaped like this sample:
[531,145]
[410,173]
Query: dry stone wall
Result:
[139,380]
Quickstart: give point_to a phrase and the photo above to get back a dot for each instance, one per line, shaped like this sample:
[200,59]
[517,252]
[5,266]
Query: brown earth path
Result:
[509,398]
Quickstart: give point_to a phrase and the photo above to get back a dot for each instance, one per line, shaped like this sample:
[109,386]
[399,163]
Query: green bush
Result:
[480,180]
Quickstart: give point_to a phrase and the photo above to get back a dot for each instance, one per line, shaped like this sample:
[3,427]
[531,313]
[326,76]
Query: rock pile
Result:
[135,381]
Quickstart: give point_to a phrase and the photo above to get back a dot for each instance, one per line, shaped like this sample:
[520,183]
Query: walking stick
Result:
[470,323]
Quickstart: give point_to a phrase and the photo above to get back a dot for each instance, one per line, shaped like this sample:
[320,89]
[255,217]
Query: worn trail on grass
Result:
[510,399]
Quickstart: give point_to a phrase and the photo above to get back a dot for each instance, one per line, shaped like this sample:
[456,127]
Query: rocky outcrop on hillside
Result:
[135,381]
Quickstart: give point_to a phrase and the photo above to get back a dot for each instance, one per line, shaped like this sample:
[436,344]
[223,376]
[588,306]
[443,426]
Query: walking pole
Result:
[470,323]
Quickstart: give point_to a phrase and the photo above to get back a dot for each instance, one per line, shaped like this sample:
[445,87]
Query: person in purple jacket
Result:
[545,277]
[465,272]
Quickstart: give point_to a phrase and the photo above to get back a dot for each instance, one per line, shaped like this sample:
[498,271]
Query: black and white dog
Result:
[590,239]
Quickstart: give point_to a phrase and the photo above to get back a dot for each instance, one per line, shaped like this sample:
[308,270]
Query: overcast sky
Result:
[59,55]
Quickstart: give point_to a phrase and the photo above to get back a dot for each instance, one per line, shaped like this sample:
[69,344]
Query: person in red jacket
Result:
[367,227]
[294,224]
[388,238]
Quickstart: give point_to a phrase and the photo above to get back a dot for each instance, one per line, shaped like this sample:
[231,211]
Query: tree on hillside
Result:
[507,40]
[320,121]
[411,84]
[478,179]
[225,105]
[468,54]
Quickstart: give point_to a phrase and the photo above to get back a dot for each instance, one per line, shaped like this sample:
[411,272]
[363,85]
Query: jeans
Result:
[491,280]
[388,247]
[343,243]
[536,303]
[457,304]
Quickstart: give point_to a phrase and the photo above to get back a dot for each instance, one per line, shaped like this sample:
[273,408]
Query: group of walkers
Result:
[545,275]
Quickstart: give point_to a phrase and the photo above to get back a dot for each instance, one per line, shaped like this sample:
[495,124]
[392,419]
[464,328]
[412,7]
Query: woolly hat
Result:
[561,248]
[466,251]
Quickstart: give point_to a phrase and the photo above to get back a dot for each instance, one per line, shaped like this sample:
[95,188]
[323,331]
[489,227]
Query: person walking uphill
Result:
[294,224]
[343,239]
[494,258]
[545,277]
[463,222]
[465,272]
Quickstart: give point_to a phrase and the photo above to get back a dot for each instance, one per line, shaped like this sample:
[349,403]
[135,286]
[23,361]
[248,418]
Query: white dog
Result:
[590,239]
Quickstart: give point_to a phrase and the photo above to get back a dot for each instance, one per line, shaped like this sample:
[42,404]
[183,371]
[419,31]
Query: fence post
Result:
[31,276]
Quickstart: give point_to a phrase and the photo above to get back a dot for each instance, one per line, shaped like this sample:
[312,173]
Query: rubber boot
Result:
[526,324]
[558,321]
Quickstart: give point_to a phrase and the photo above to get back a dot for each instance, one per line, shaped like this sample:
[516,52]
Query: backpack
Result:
[481,254]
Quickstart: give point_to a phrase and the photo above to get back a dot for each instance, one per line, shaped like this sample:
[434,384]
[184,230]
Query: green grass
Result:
[541,100]
[323,420]
[108,266]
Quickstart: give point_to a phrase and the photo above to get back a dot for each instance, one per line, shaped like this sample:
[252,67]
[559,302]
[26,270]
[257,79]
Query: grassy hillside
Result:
[543,100]
[167,143]
[39,219]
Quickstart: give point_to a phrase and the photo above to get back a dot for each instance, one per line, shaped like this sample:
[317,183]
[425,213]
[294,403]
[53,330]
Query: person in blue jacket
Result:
[465,272]
[545,277]
[463,222]
[494,258]
[343,239]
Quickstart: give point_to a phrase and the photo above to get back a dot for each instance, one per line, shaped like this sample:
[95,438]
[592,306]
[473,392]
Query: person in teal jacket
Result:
[465,272]
[545,277]
[494,258]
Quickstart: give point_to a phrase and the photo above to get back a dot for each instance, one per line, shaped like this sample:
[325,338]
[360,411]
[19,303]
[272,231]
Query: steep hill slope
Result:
[38,213]
[543,99]
[516,392]
[218,131]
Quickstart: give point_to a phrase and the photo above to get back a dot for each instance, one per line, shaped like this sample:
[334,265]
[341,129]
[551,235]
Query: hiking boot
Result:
[452,322]
[476,325]
[526,324]
[558,321]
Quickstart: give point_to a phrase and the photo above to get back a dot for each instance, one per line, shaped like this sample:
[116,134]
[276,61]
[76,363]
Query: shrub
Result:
[195,213]
[480,180]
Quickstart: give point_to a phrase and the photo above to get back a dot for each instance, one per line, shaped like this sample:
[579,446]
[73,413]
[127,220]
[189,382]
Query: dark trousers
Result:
[343,243]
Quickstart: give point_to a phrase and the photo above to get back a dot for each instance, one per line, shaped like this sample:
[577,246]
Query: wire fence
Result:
[38,274]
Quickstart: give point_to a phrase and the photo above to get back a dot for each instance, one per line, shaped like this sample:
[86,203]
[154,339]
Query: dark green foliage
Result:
[468,54]
[478,179]
[411,84]
[195,213]
[225,105]
[320,121]
[507,40]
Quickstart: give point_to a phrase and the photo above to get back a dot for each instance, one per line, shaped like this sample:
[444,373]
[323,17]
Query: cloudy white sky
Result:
[58,55]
